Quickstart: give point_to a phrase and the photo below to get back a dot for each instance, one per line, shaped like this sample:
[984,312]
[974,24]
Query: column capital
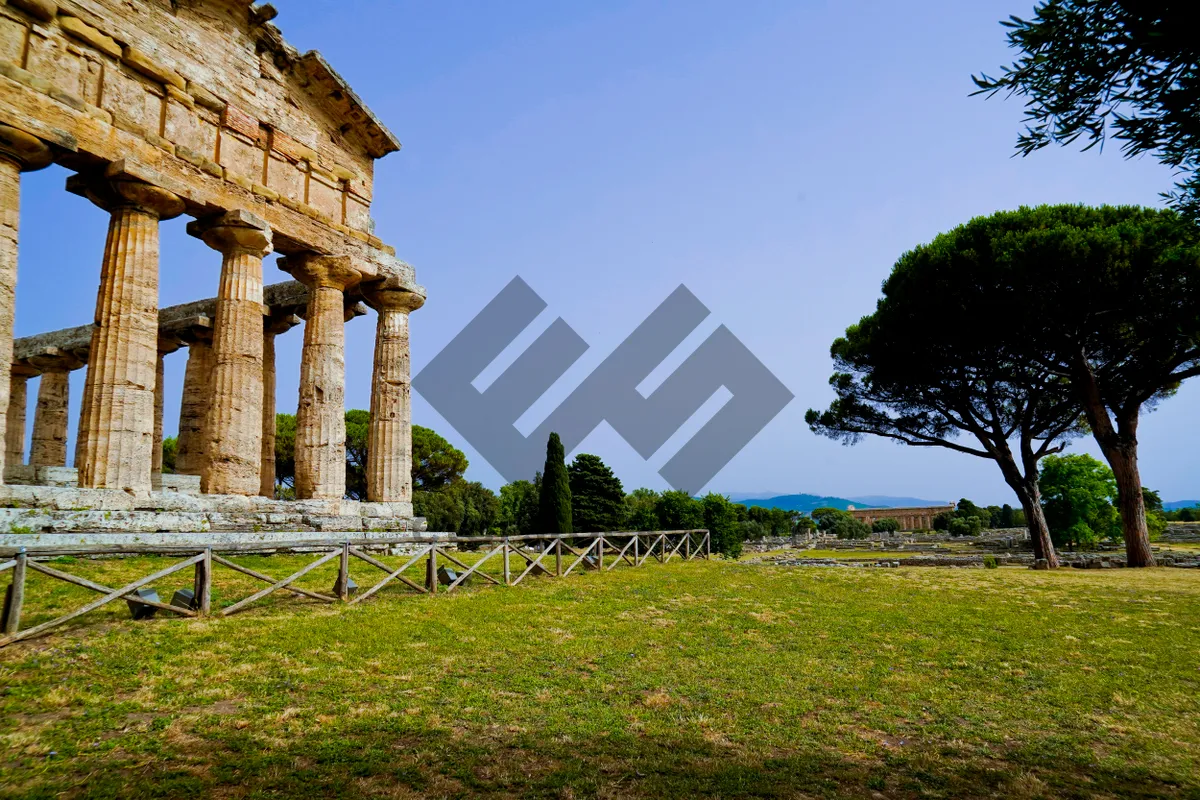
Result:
[234,231]
[25,150]
[405,300]
[122,191]
[52,359]
[23,370]
[317,271]
[275,324]
[168,344]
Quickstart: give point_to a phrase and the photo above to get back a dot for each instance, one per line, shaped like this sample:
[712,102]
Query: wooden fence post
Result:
[16,596]
[687,546]
[431,578]
[343,579]
[558,558]
[662,548]
[707,545]
[202,585]
[637,540]
[507,571]
[600,554]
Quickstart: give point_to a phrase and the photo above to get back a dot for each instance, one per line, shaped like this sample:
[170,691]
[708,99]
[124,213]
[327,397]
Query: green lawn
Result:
[684,679]
[840,555]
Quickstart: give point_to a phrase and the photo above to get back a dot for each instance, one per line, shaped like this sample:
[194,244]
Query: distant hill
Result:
[803,502]
[742,497]
[1174,504]
[887,501]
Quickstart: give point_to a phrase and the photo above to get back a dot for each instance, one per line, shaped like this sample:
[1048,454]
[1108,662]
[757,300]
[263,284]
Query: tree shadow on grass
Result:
[387,757]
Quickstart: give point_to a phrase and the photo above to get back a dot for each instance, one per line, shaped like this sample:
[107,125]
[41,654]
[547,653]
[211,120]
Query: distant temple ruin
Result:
[918,518]
[165,108]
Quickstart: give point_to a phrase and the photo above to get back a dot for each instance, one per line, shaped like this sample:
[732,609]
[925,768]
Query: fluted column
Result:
[389,446]
[233,425]
[193,410]
[160,402]
[19,152]
[18,400]
[272,327]
[166,346]
[321,414]
[124,353]
[81,429]
[48,447]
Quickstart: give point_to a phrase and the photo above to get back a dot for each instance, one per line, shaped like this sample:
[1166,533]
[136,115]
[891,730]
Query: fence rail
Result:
[628,548]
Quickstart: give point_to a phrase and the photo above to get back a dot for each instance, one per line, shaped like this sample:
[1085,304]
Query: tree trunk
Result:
[1123,460]
[1119,445]
[1026,488]
[1039,531]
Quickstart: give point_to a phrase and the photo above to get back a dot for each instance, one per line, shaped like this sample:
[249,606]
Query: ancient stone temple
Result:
[162,108]
[910,518]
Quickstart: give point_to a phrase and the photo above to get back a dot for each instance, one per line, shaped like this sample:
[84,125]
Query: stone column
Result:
[18,401]
[193,410]
[51,421]
[81,429]
[124,353]
[272,327]
[19,152]
[389,448]
[321,414]
[233,425]
[166,346]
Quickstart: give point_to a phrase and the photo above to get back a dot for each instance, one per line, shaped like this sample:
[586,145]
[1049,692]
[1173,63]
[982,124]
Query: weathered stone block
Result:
[129,96]
[183,126]
[286,177]
[243,122]
[43,10]
[85,33]
[358,213]
[12,40]
[58,476]
[291,148]
[50,58]
[334,523]
[152,69]
[325,195]
[206,98]
[241,156]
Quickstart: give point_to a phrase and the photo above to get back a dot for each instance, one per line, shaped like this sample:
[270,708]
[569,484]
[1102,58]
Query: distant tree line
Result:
[581,497]
[1078,496]
[585,496]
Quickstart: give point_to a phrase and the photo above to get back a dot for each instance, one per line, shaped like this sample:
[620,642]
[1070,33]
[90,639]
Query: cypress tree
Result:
[554,502]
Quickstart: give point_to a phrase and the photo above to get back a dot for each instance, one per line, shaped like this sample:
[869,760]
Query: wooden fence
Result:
[554,555]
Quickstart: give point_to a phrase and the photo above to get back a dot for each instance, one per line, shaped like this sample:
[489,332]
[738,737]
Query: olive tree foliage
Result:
[937,365]
[1094,69]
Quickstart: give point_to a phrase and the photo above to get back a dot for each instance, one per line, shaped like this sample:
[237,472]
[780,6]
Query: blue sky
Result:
[775,157]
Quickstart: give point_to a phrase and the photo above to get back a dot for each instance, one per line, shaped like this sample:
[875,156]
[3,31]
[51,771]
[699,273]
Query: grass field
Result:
[684,679]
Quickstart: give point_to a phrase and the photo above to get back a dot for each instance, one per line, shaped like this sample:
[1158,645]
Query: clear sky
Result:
[775,157]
